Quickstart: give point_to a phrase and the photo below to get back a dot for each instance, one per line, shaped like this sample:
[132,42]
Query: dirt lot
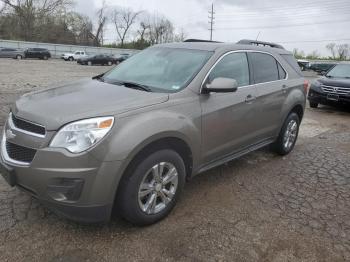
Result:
[261,207]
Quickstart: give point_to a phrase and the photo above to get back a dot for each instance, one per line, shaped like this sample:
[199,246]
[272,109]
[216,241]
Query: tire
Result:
[71,59]
[283,146]
[18,57]
[89,63]
[132,206]
[45,57]
[313,104]
[109,63]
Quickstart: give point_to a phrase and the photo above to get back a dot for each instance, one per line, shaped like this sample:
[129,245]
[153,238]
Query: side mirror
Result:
[221,85]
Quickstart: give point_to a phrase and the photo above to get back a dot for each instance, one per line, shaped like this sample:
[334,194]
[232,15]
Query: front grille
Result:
[20,153]
[336,90]
[28,126]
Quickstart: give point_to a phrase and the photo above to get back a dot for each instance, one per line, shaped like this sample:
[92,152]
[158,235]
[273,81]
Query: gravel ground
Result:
[260,207]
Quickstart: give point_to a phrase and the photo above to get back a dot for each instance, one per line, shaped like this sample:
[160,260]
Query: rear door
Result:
[228,118]
[271,92]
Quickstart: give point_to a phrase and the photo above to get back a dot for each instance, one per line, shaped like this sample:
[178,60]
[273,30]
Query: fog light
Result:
[65,189]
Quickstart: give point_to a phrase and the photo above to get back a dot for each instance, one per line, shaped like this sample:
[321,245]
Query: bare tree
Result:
[343,51]
[332,48]
[29,12]
[102,19]
[123,19]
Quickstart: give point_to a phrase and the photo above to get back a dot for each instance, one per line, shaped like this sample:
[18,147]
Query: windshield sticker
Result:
[175,87]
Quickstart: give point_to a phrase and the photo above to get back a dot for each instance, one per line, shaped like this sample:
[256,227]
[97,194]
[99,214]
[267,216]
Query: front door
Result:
[228,119]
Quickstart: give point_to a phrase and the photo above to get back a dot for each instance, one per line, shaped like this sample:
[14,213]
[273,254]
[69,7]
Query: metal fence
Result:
[57,50]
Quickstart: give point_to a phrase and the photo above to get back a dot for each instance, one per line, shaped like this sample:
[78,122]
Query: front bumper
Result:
[76,186]
[320,97]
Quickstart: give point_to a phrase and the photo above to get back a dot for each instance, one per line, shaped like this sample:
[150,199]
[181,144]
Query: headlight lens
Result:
[79,136]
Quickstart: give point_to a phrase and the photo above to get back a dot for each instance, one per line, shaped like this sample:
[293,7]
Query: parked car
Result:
[321,67]
[303,64]
[332,89]
[127,140]
[41,53]
[11,53]
[120,58]
[100,59]
[74,56]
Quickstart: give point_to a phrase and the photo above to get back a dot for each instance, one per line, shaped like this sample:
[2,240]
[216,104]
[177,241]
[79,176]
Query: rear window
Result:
[293,63]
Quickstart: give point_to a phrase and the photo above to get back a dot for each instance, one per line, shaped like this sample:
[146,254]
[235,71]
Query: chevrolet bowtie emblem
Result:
[10,134]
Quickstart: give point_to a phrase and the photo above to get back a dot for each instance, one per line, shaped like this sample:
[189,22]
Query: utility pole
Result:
[211,21]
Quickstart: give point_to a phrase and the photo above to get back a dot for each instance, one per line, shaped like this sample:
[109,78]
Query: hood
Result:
[82,99]
[340,82]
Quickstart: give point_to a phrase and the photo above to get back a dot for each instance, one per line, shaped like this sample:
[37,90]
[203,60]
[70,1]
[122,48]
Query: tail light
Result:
[306,86]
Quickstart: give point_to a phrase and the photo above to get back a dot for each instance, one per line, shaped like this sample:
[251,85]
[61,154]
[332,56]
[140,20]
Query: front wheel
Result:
[149,192]
[18,57]
[109,63]
[288,135]
[89,63]
[70,58]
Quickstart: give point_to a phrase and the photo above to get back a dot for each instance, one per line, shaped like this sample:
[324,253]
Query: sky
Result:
[304,24]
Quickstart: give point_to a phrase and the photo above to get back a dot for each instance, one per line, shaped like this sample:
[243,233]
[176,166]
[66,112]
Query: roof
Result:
[212,46]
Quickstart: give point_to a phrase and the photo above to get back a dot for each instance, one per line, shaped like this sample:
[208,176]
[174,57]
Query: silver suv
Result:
[128,140]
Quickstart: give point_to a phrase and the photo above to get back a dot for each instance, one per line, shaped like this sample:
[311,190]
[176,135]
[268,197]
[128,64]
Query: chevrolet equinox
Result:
[127,140]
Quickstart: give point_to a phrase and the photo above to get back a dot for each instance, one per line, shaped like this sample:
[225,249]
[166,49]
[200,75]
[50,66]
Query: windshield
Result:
[342,71]
[161,69]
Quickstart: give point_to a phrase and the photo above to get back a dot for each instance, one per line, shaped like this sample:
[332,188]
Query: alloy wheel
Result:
[158,188]
[290,135]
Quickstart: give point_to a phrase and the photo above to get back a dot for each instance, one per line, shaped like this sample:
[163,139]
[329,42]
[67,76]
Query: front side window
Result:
[264,68]
[162,69]
[234,66]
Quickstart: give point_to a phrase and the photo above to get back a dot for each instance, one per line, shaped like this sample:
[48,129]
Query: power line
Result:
[314,41]
[211,21]
[285,25]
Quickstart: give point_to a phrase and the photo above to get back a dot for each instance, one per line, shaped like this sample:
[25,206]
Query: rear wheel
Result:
[149,192]
[70,58]
[18,57]
[89,63]
[313,104]
[45,57]
[109,63]
[288,135]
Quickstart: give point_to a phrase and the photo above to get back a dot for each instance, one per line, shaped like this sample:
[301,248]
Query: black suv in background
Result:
[333,88]
[41,53]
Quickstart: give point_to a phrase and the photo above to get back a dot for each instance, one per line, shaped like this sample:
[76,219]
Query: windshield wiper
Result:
[99,77]
[133,85]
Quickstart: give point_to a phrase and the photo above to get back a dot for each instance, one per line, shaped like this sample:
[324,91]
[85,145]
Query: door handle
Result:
[250,99]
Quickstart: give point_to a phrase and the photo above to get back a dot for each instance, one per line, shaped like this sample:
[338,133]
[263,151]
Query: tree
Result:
[298,54]
[332,48]
[29,13]
[102,19]
[343,51]
[123,19]
[313,55]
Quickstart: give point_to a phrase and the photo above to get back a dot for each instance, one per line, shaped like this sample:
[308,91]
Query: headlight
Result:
[81,135]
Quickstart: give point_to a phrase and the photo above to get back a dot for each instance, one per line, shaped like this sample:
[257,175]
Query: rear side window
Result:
[264,67]
[233,66]
[282,74]
[293,63]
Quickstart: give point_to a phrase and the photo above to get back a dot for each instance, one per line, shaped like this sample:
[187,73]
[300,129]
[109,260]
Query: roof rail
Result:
[201,40]
[259,43]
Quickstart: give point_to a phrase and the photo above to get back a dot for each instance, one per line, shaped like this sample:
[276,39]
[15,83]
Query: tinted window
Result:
[264,67]
[282,74]
[233,66]
[293,63]
[8,49]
